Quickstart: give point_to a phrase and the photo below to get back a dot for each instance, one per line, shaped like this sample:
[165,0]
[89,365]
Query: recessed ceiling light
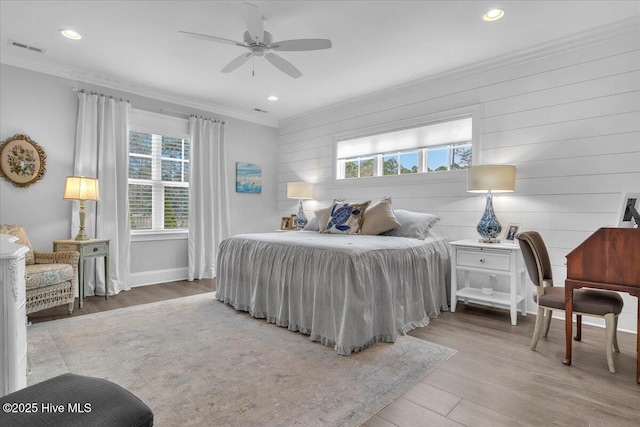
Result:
[493,15]
[272,98]
[70,34]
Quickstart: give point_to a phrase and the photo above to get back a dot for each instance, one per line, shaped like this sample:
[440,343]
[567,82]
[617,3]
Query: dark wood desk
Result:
[608,259]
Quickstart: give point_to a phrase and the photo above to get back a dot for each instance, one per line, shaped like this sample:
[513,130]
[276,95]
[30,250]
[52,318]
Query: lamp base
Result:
[82,235]
[489,240]
[299,221]
[489,227]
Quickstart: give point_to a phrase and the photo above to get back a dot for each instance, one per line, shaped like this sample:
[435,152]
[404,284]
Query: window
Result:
[442,146]
[158,181]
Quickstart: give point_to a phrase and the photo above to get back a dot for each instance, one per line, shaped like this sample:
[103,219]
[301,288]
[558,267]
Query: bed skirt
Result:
[341,298]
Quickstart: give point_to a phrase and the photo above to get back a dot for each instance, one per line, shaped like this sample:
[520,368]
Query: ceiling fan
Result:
[260,43]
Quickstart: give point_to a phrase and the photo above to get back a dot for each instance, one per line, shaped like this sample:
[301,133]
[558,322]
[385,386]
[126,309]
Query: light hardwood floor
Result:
[496,380]
[493,380]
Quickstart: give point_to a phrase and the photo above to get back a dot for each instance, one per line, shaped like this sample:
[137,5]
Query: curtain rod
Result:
[193,115]
[161,109]
[77,89]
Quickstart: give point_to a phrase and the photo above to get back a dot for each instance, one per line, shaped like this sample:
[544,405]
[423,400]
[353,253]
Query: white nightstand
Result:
[494,259]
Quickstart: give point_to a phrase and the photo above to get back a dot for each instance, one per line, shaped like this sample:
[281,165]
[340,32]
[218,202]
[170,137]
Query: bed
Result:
[345,291]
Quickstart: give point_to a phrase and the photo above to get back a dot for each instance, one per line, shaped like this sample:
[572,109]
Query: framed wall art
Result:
[248,178]
[22,161]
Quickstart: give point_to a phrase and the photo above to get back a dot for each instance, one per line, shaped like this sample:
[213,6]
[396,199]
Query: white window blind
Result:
[445,132]
[439,146]
[158,181]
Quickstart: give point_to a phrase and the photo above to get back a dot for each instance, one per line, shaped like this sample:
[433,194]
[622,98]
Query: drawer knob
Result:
[481,259]
[95,249]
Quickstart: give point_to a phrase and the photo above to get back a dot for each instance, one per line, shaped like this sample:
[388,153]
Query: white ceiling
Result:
[135,45]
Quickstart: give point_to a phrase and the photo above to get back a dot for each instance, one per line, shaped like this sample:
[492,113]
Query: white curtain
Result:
[208,196]
[102,151]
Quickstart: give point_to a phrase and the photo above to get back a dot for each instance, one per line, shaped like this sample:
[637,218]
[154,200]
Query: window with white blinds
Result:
[158,181]
[440,146]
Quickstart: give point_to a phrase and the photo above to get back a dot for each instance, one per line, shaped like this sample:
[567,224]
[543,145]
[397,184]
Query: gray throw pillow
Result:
[413,224]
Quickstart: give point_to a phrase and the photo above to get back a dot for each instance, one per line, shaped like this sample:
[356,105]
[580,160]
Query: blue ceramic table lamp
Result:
[300,190]
[490,179]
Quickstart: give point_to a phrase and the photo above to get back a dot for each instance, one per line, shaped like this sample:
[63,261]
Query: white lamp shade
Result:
[301,190]
[497,178]
[81,188]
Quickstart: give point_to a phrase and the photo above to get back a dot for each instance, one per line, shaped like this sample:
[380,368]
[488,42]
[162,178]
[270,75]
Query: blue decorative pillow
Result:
[319,222]
[346,218]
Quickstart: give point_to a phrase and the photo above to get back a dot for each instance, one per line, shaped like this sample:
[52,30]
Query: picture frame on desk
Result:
[511,231]
[625,217]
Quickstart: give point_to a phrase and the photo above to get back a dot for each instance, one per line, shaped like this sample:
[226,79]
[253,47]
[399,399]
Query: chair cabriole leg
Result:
[610,320]
[538,328]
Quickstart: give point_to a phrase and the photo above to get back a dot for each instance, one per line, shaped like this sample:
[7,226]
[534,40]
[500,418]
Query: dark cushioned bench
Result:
[74,400]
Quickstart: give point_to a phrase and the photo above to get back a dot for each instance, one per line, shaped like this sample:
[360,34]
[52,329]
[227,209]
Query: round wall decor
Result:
[22,161]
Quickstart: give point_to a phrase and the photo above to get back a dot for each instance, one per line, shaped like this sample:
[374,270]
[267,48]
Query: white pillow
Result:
[379,218]
[312,225]
[323,217]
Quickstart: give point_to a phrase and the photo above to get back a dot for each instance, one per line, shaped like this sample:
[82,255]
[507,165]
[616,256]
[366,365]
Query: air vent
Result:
[260,111]
[26,46]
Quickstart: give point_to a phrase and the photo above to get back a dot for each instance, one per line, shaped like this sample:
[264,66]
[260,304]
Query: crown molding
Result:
[581,39]
[85,77]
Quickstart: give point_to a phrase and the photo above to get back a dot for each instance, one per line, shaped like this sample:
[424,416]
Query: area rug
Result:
[196,361]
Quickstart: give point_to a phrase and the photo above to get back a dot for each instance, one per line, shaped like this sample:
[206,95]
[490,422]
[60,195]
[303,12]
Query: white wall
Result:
[45,108]
[567,115]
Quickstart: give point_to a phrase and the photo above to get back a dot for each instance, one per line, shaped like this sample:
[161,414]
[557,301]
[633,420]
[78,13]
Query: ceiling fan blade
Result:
[301,44]
[211,38]
[253,19]
[237,62]
[283,65]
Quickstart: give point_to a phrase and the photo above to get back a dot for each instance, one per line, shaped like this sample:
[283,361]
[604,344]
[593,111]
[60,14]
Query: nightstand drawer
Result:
[60,247]
[483,259]
[95,249]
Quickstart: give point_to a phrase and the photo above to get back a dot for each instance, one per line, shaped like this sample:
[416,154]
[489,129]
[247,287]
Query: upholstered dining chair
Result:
[51,277]
[588,302]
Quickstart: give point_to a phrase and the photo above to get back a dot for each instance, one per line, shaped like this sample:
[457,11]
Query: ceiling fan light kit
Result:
[259,42]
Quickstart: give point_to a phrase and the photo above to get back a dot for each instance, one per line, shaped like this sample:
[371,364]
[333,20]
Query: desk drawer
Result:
[483,259]
[94,249]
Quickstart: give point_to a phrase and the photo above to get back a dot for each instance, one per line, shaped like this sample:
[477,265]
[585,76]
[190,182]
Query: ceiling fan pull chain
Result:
[253,65]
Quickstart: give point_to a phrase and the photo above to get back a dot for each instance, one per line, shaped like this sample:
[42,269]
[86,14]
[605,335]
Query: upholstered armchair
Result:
[51,277]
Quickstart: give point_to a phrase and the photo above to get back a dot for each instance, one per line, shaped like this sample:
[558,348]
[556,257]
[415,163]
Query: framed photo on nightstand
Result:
[286,223]
[511,231]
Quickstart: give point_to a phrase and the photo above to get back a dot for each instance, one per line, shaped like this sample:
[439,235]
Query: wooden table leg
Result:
[568,322]
[638,342]
[106,276]
[81,283]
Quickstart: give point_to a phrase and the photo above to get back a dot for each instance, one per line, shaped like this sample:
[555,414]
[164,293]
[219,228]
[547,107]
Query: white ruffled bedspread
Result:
[345,291]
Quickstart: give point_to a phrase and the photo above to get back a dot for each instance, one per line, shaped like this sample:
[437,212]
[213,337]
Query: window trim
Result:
[472,111]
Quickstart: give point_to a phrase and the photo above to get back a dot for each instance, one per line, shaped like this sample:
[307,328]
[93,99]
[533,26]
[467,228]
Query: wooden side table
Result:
[92,248]
[493,259]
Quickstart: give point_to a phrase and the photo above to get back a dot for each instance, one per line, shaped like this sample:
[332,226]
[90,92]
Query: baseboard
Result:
[157,276]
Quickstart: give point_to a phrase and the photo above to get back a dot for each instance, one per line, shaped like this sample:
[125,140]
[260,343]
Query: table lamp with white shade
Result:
[81,188]
[300,191]
[490,179]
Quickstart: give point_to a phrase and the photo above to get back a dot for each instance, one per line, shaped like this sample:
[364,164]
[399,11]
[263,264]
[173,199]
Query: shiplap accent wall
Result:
[566,114]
